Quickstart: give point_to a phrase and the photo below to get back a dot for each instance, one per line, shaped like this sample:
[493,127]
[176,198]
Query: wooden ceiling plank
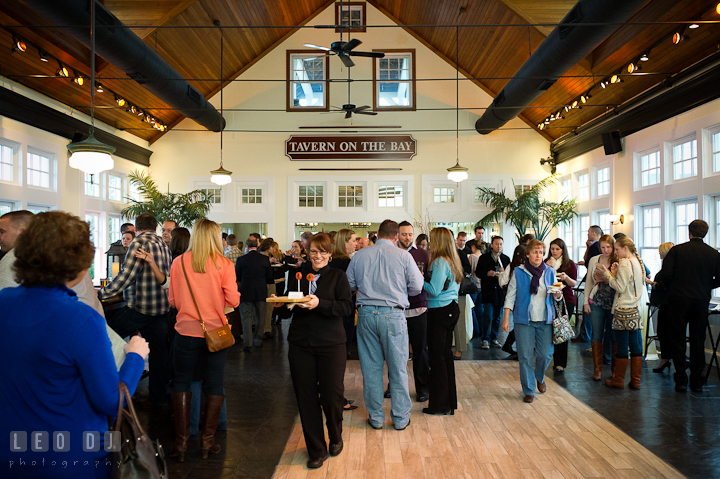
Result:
[179,8]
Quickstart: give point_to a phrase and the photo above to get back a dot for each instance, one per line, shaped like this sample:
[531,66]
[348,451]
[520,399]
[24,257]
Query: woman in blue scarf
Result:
[528,297]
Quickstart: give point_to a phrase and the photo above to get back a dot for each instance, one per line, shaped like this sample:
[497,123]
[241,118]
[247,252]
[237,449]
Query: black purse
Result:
[468,286]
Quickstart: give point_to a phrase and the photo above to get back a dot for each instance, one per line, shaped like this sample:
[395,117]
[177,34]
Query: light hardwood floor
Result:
[493,434]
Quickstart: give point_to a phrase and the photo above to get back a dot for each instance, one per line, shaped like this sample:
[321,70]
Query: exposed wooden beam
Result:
[179,8]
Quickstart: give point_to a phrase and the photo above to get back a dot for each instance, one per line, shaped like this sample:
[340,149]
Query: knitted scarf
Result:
[537,273]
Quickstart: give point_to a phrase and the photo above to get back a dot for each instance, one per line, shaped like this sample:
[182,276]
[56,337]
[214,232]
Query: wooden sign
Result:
[387,147]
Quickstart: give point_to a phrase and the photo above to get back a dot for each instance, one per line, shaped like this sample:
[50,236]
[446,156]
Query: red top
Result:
[213,290]
[568,291]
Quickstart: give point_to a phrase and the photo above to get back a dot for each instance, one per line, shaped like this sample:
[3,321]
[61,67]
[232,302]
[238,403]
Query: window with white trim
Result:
[5,207]
[565,232]
[717,221]
[584,222]
[390,196]
[115,184]
[350,196]
[685,213]
[603,221]
[650,169]
[478,193]
[92,185]
[114,223]
[684,157]
[715,147]
[38,170]
[444,195]
[214,194]
[93,220]
[520,189]
[583,180]
[35,209]
[133,191]
[7,163]
[651,237]
[307,85]
[394,80]
[310,196]
[603,181]
[251,196]
[566,190]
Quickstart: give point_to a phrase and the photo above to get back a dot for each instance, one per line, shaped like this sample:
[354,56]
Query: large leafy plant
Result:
[527,210]
[185,209]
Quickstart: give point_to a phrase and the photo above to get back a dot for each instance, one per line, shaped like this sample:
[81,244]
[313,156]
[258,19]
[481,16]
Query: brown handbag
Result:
[216,339]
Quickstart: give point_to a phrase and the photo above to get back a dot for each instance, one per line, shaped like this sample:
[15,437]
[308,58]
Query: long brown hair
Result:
[442,245]
[564,258]
[611,241]
[341,239]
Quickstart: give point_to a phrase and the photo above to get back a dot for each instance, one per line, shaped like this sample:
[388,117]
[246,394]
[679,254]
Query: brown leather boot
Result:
[181,406]
[213,406]
[597,356]
[613,358]
[618,380]
[635,372]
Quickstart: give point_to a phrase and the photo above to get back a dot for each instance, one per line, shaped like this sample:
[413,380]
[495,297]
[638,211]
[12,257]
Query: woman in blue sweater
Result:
[529,298]
[442,284]
[59,376]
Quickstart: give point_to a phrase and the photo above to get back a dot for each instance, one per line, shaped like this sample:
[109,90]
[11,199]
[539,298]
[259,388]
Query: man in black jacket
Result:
[489,267]
[690,272]
[253,273]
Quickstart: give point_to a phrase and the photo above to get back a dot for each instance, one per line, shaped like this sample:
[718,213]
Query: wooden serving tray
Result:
[285,299]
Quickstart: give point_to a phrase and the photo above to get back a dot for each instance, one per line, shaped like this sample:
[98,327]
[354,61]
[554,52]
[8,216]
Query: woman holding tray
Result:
[317,350]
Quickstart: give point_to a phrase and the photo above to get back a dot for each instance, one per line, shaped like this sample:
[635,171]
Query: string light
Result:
[18,45]
[62,71]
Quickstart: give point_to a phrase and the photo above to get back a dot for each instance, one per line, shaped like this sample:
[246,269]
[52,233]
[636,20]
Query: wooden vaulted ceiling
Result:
[490,55]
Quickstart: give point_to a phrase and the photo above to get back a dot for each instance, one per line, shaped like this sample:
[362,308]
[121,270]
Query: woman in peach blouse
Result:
[212,278]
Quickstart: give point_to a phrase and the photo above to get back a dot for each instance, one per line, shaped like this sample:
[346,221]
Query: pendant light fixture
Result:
[457,173]
[221,176]
[90,155]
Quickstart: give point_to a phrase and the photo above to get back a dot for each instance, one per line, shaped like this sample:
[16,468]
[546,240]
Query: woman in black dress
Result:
[317,350]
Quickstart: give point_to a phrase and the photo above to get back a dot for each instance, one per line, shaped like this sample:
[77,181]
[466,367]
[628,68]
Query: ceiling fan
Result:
[344,50]
[350,108]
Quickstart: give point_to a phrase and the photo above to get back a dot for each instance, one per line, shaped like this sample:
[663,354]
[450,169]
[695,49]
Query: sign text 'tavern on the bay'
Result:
[387,147]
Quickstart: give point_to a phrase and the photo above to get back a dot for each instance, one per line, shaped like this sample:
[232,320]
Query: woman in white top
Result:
[627,278]
[598,303]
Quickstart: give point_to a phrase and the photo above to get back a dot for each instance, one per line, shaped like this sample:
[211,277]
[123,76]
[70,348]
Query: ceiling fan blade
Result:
[346,60]
[367,54]
[364,107]
[310,45]
[362,112]
[348,114]
[319,56]
[351,44]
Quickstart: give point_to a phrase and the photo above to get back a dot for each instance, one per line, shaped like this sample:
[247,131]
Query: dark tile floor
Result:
[682,429]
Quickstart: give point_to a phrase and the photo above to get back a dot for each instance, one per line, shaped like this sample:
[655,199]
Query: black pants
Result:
[441,323]
[188,350]
[154,329]
[561,350]
[317,375]
[417,331]
[683,312]
[664,332]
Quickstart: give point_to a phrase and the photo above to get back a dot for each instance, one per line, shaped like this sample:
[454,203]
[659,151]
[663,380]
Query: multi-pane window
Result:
[685,160]
[715,145]
[717,222]
[115,188]
[251,196]
[520,189]
[92,185]
[114,228]
[584,222]
[685,213]
[566,189]
[308,81]
[565,232]
[394,80]
[651,237]
[310,196]
[478,193]
[35,209]
[38,170]
[93,220]
[583,186]
[350,196]
[7,160]
[5,207]
[650,169]
[133,191]
[352,16]
[214,194]
[603,221]
[603,181]
[390,196]
[444,195]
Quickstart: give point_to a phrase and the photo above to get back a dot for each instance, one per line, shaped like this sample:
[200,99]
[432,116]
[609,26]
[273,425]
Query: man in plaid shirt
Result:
[147,301]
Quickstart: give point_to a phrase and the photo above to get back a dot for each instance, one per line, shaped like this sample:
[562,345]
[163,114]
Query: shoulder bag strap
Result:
[182,261]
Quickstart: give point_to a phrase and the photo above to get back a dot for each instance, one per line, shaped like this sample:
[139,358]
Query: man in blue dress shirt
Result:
[384,277]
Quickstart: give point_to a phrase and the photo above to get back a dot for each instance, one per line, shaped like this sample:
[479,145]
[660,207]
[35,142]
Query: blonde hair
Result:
[664,249]
[442,245]
[341,239]
[625,242]
[206,242]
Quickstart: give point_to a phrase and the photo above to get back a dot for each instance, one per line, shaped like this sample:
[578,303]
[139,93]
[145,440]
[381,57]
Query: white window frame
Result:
[214,188]
[36,208]
[598,172]
[354,196]
[96,185]
[444,194]
[110,188]
[679,232]
[582,234]
[712,146]
[650,220]
[15,162]
[565,231]
[243,195]
[324,196]
[6,206]
[408,54]
[565,190]
[600,217]
[693,160]
[383,196]
[114,235]
[583,189]
[133,192]
[293,55]
[52,167]
[642,173]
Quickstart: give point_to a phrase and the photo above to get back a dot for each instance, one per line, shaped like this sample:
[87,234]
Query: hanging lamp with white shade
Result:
[457,173]
[221,176]
[90,155]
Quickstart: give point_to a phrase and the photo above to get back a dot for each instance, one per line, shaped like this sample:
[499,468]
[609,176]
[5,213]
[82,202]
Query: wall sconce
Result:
[617,219]
[551,165]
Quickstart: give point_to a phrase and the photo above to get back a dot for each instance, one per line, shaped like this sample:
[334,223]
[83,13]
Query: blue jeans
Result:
[535,350]
[195,388]
[382,336]
[491,321]
[628,339]
[601,320]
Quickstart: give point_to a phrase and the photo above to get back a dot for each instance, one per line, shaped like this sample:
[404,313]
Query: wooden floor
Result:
[493,434]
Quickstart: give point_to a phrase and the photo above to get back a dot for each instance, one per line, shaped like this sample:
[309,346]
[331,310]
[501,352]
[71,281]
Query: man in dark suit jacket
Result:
[253,273]
[489,267]
[690,272]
